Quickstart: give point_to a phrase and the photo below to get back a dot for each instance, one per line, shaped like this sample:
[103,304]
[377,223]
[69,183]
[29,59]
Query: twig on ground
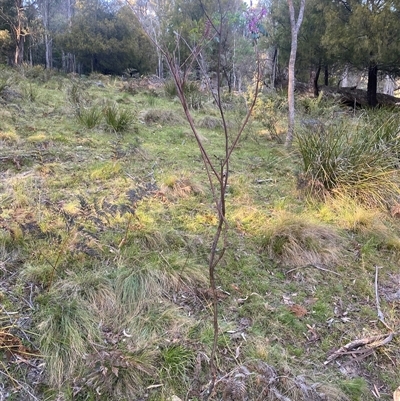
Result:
[315,266]
[381,316]
[354,347]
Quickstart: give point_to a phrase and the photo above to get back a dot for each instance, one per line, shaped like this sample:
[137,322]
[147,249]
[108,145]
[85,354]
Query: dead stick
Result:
[316,267]
[369,342]
[381,316]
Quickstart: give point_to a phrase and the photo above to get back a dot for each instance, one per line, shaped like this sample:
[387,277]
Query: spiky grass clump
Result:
[76,95]
[117,119]
[4,84]
[30,92]
[90,116]
[296,240]
[353,160]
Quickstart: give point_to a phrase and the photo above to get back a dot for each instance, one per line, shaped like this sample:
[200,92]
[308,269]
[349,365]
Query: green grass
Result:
[105,239]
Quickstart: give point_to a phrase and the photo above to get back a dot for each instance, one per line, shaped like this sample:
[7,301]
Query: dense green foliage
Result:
[107,37]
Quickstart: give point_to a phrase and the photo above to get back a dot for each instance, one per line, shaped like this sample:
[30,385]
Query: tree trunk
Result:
[372,84]
[326,75]
[19,51]
[274,67]
[48,47]
[18,31]
[295,27]
[314,76]
[389,85]
[344,82]
[47,39]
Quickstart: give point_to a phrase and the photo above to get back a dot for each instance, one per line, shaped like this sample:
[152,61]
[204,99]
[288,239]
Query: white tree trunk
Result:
[388,85]
[295,27]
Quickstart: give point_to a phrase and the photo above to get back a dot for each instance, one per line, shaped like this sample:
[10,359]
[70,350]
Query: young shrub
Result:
[268,111]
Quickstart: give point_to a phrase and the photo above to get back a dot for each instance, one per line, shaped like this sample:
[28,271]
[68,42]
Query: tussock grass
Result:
[90,116]
[174,187]
[119,374]
[209,122]
[347,213]
[160,116]
[9,136]
[356,218]
[357,160]
[67,331]
[117,118]
[296,240]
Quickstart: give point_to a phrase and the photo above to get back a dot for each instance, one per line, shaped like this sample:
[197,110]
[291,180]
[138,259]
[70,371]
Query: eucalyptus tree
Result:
[295,24]
[366,34]
[312,54]
[12,12]
[46,9]
[235,45]
[312,58]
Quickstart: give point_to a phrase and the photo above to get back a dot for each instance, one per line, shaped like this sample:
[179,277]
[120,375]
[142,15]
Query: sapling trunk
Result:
[217,171]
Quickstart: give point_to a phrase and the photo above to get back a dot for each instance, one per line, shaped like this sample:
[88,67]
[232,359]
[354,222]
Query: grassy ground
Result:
[106,222]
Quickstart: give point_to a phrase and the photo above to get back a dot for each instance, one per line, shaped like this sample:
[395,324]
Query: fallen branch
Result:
[354,347]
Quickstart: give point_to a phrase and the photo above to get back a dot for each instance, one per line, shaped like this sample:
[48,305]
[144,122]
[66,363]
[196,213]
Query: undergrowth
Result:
[104,241]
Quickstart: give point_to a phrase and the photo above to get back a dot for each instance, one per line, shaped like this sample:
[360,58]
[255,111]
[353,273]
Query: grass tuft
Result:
[358,160]
[296,240]
[90,116]
[116,118]
[67,331]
